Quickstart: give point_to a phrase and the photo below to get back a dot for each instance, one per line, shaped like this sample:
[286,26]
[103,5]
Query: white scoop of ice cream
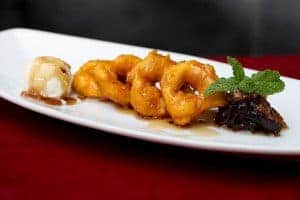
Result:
[48,77]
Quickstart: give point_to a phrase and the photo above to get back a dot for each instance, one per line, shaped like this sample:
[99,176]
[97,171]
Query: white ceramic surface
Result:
[19,46]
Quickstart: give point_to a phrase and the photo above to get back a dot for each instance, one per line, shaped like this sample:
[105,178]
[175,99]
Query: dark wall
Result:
[200,27]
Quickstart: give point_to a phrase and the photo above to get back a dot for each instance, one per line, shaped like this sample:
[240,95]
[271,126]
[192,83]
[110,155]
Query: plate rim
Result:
[163,139]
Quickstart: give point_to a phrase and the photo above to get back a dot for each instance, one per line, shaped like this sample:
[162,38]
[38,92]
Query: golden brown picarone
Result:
[106,79]
[184,106]
[84,82]
[145,97]
[155,87]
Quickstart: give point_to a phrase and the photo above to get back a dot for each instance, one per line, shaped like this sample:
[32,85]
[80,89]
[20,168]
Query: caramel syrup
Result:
[158,124]
[202,128]
[50,101]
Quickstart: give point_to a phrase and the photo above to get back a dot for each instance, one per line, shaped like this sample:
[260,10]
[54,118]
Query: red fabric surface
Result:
[44,158]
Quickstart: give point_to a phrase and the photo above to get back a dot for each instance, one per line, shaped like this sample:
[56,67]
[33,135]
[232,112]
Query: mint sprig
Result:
[237,68]
[264,83]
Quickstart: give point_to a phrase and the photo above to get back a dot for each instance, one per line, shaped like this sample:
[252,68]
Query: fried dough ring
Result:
[184,107]
[145,98]
[101,79]
[111,78]
[84,82]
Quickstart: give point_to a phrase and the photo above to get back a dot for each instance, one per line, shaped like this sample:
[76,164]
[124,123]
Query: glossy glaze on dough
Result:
[145,97]
[183,106]
[106,79]
[154,87]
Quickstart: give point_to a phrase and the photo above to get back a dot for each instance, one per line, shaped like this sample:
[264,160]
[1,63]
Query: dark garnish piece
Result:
[247,107]
[249,111]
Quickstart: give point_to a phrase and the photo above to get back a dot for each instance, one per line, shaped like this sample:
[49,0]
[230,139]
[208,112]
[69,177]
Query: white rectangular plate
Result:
[19,46]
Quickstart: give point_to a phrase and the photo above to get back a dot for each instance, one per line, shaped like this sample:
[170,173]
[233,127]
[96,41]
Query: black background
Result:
[199,27]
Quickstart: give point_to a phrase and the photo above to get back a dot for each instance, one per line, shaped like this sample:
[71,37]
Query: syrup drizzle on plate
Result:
[202,128]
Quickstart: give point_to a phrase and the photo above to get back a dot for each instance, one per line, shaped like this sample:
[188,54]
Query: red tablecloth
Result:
[43,158]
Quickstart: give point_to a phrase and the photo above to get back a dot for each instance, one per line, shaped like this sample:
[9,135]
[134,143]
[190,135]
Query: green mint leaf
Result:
[237,68]
[246,85]
[266,75]
[222,85]
[266,88]
[267,82]
[264,83]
